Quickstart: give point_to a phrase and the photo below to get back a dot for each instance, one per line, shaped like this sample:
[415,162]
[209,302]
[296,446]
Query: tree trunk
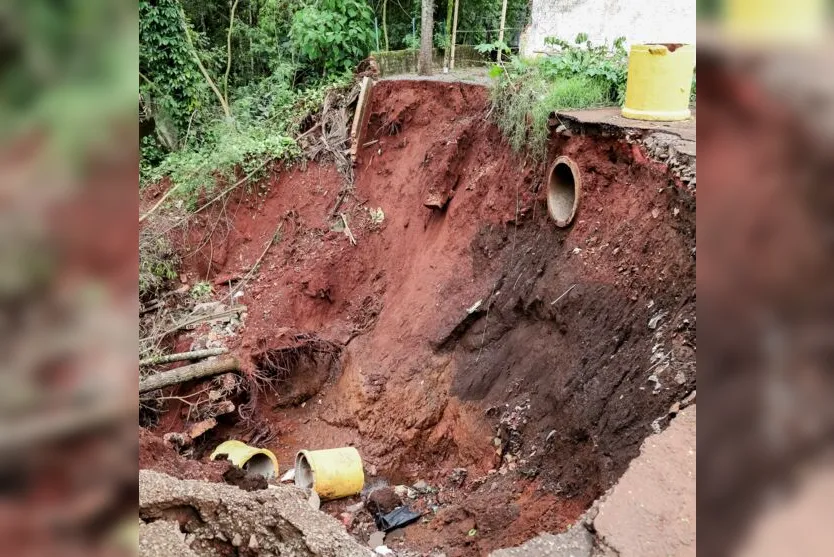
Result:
[448,30]
[229,51]
[501,27]
[454,36]
[188,373]
[226,110]
[424,62]
[385,23]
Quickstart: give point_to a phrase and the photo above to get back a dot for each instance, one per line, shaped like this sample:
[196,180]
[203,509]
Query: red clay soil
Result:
[423,386]
[155,454]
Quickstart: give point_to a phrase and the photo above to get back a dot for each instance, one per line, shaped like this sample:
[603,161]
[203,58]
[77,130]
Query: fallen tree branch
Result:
[341,198]
[347,229]
[188,373]
[175,328]
[158,203]
[193,355]
[233,186]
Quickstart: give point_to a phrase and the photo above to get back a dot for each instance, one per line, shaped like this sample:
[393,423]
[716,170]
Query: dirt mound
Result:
[472,331]
[155,454]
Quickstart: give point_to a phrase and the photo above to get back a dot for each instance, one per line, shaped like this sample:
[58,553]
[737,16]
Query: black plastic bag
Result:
[399,517]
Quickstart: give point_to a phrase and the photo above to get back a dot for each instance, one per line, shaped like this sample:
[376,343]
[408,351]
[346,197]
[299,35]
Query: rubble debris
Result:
[404,491]
[355,508]
[458,476]
[216,514]
[383,500]
[244,479]
[289,476]
[376,540]
[201,427]
[656,319]
[314,500]
[162,538]
[177,441]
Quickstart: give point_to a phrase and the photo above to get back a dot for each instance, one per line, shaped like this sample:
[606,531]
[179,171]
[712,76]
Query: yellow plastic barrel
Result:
[659,82]
[332,473]
[254,459]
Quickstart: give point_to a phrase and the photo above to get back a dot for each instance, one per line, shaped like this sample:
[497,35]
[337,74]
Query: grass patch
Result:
[522,107]
[578,76]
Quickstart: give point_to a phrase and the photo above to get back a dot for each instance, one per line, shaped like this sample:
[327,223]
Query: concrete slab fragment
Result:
[651,510]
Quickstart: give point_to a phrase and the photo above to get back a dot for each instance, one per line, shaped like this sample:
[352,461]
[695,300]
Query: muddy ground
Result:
[463,330]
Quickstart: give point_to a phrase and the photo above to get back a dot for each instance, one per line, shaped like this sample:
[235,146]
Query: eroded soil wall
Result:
[453,351]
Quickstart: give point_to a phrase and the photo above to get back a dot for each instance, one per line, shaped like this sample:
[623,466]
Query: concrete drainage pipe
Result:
[564,188]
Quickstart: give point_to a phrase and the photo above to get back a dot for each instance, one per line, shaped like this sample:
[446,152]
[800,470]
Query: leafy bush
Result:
[333,35]
[201,291]
[411,41]
[489,48]
[268,115]
[600,63]
[528,91]
[226,150]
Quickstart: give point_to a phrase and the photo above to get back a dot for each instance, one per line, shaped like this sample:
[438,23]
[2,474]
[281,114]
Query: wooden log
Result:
[193,355]
[188,373]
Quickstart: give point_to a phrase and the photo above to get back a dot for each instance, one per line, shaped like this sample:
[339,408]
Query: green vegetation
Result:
[157,264]
[225,87]
[333,34]
[201,291]
[579,75]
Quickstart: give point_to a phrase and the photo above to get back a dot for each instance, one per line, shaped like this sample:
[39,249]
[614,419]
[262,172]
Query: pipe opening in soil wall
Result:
[564,187]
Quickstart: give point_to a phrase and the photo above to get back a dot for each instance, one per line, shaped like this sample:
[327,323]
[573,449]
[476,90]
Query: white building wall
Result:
[640,21]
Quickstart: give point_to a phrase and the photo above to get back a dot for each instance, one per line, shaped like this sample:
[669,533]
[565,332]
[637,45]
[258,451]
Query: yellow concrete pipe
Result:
[659,82]
[254,459]
[332,473]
